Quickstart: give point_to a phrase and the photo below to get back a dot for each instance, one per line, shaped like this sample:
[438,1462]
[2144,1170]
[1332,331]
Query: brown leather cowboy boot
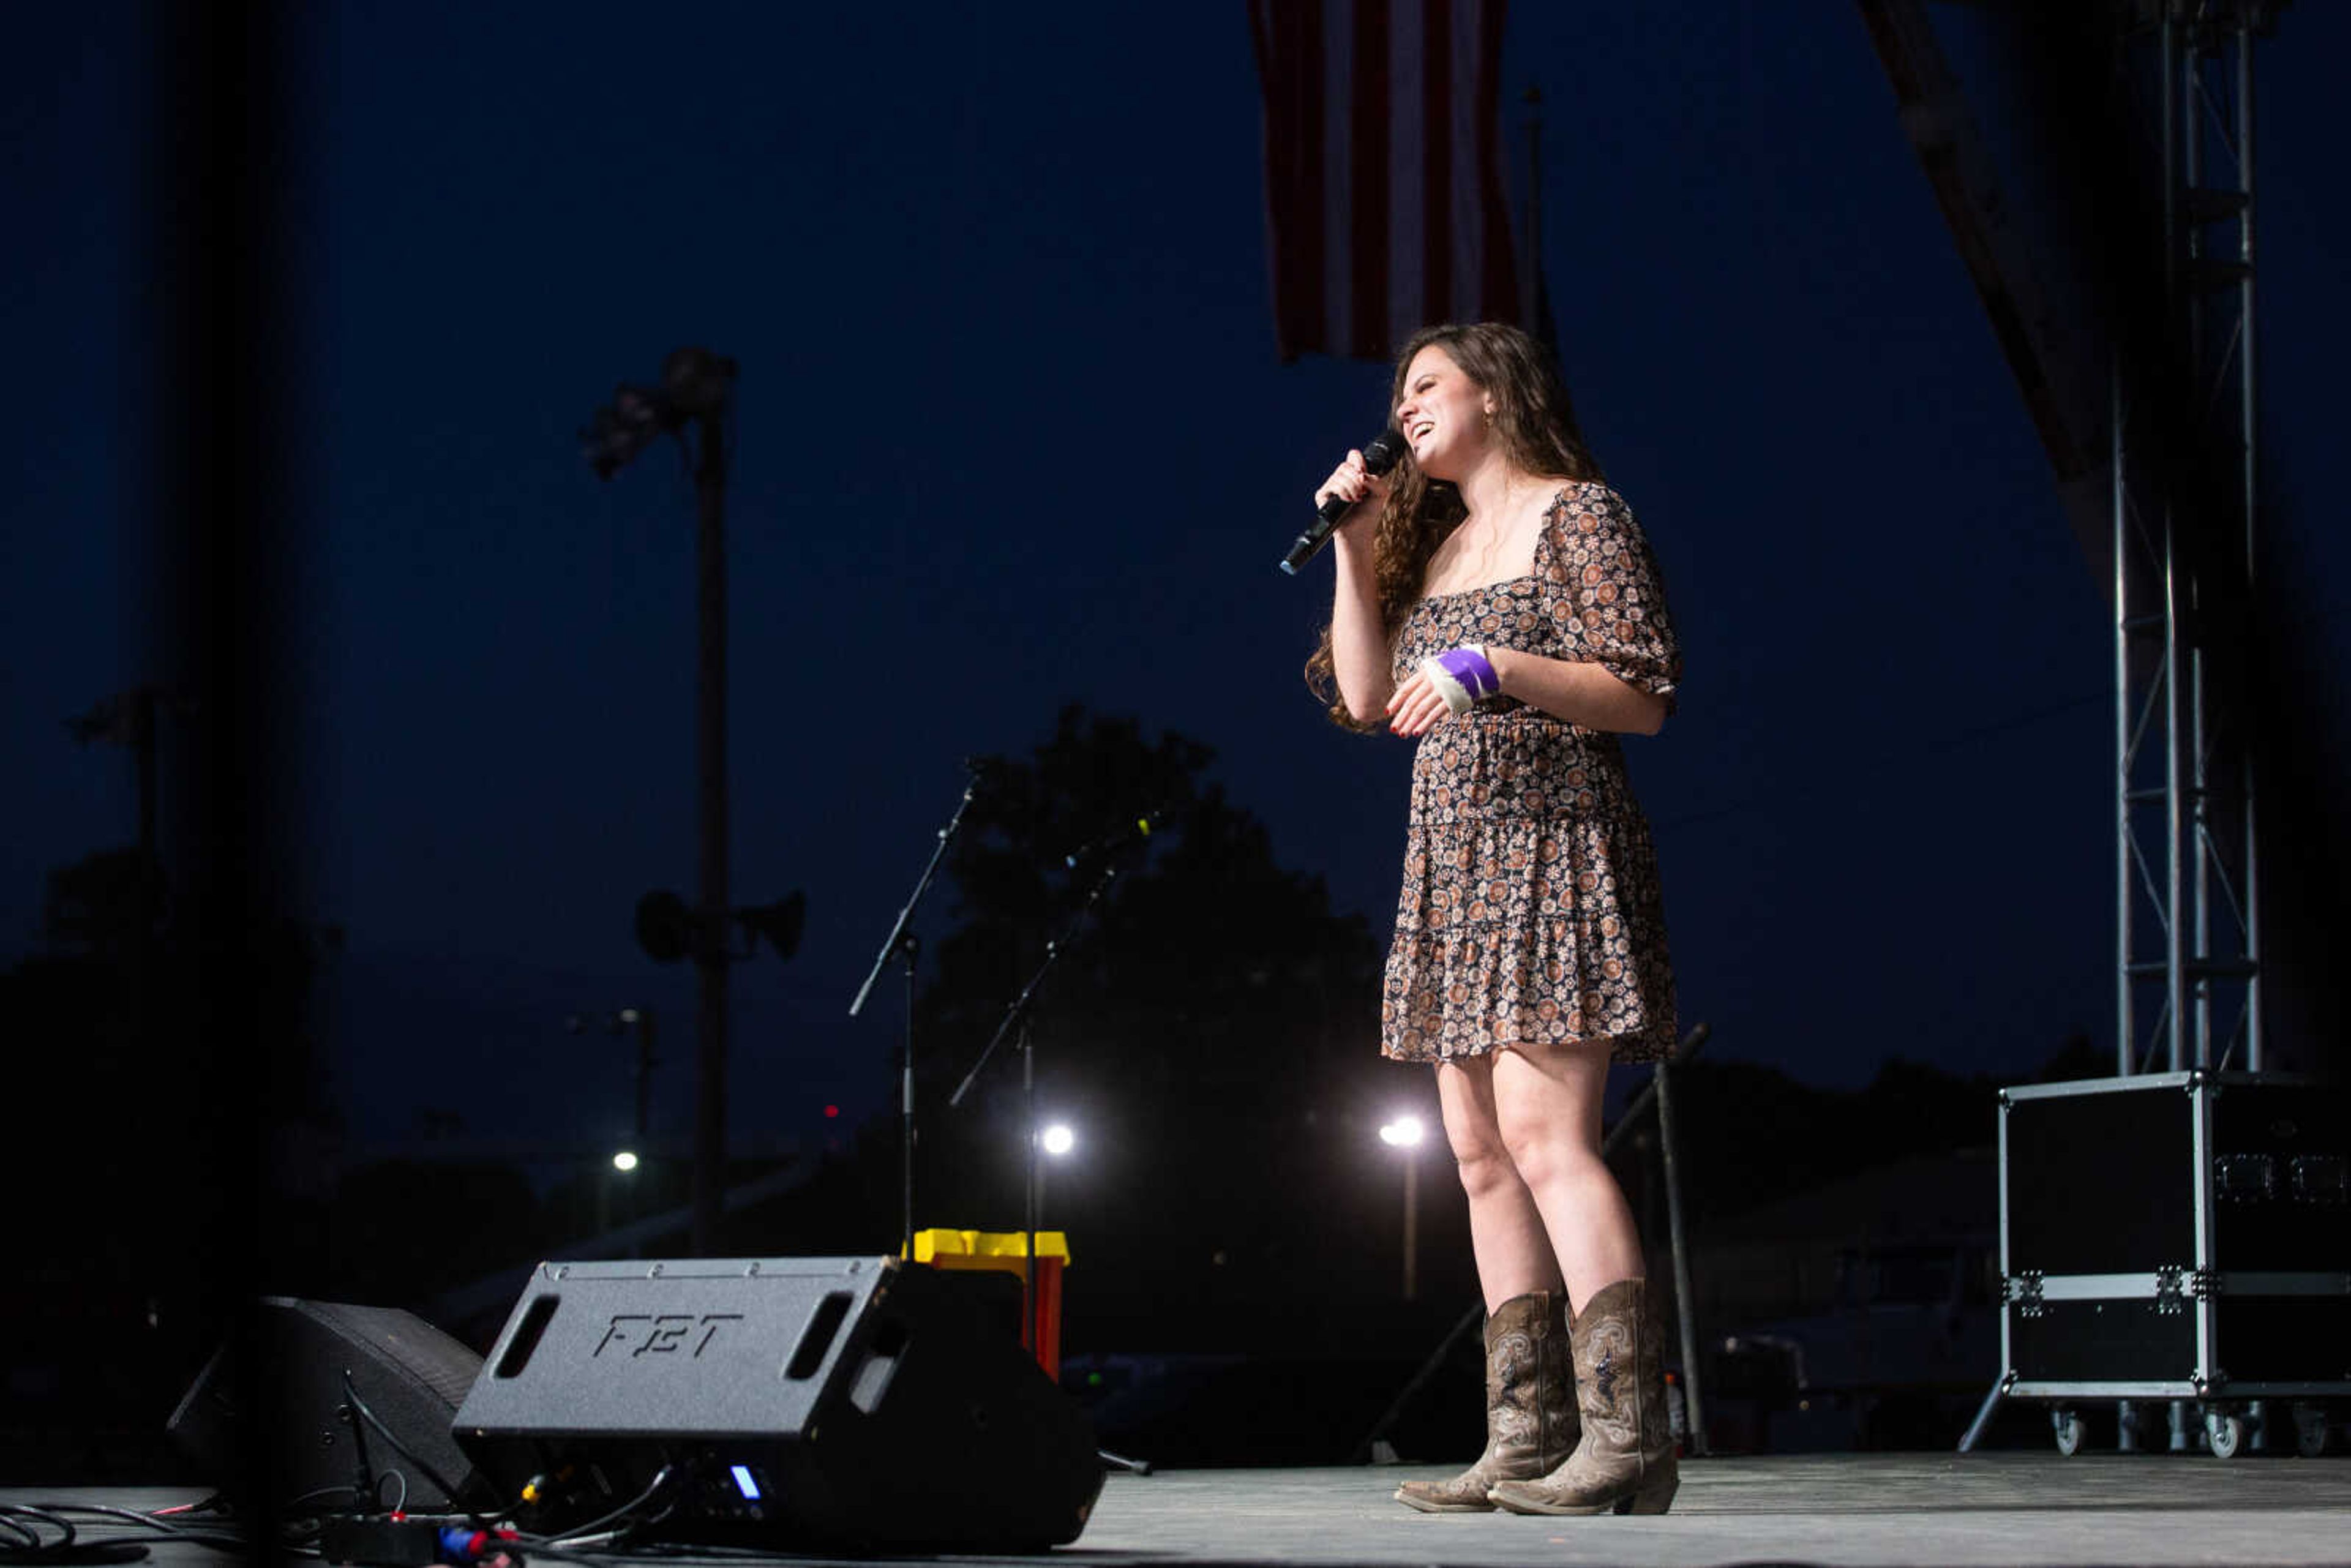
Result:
[1530,1423]
[1625,1462]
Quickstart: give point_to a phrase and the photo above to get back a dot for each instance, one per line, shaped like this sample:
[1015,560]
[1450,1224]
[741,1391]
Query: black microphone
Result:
[1110,843]
[1380,455]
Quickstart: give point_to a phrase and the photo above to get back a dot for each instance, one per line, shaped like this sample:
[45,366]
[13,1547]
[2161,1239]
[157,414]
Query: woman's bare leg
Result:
[1507,1232]
[1545,1103]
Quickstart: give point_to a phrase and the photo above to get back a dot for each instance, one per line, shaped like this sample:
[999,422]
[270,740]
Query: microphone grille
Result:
[1380,453]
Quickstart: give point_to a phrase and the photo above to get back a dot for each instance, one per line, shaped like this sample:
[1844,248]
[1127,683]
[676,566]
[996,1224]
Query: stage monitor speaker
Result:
[843,1402]
[408,1373]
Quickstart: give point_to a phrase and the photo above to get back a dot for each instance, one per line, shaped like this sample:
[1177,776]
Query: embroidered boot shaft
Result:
[1625,1462]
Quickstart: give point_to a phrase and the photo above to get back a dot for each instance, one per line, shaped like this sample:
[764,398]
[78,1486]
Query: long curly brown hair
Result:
[1535,422]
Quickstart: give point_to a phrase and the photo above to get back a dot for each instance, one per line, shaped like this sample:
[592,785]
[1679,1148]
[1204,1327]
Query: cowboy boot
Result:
[1530,1423]
[1625,1462]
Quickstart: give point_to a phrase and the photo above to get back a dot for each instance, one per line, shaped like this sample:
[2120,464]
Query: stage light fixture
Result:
[626,1160]
[1403,1133]
[696,383]
[625,427]
[1057,1139]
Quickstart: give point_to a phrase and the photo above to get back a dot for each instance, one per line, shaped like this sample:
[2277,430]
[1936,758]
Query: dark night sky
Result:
[1013,433]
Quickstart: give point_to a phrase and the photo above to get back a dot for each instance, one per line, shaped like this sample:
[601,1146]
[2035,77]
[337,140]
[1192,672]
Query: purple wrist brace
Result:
[1473,670]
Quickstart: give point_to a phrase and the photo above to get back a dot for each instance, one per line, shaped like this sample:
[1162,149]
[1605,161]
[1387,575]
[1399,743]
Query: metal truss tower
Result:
[2134,349]
[2183,467]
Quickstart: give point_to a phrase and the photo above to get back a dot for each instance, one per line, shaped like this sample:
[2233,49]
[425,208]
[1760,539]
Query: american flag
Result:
[1384,203]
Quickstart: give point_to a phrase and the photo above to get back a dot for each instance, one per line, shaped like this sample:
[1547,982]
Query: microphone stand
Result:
[1018,1019]
[903,944]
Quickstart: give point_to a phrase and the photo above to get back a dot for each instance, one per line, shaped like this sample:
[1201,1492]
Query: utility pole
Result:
[696,389]
[699,368]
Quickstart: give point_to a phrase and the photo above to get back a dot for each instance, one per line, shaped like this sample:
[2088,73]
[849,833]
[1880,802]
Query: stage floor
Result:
[1911,1509]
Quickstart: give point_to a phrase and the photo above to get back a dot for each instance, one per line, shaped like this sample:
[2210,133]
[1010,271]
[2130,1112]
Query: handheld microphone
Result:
[1380,455]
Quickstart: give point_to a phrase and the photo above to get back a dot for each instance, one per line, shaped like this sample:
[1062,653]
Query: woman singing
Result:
[1498,605]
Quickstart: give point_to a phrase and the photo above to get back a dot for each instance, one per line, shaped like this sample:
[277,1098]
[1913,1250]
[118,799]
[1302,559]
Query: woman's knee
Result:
[1485,1167]
[1465,1094]
[1543,1146]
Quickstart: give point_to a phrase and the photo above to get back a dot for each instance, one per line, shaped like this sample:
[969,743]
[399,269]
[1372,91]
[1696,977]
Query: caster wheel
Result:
[2070,1429]
[2226,1434]
[2310,1431]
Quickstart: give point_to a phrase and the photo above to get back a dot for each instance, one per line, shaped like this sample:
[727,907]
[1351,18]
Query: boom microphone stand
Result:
[1017,1020]
[903,944]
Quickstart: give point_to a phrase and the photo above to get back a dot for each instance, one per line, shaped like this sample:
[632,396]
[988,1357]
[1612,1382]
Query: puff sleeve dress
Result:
[1530,912]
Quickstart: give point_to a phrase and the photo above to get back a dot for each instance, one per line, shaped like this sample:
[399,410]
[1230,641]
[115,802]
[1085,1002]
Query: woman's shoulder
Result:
[1587,523]
[1583,501]
[1567,488]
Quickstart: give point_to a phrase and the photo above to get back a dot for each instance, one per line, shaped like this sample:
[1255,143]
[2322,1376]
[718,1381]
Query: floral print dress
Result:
[1530,912]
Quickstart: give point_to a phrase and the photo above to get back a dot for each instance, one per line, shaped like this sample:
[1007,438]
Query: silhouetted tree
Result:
[1208,1025]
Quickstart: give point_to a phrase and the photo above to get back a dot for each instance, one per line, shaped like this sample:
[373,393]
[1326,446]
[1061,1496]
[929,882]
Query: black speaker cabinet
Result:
[2176,1234]
[410,1374]
[855,1402]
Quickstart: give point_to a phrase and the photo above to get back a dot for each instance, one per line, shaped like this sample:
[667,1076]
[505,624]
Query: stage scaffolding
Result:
[2183,467]
[2133,344]
[2143,384]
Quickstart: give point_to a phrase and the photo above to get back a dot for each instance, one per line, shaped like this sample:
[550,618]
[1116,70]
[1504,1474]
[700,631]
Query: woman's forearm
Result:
[1359,643]
[1580,693]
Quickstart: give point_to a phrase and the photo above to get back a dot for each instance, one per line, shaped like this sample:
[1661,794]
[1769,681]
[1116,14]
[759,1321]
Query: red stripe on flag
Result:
[1437,163]
[1288,38]
[1385,205]
[1501,293]
[1368,127]
[1306,211]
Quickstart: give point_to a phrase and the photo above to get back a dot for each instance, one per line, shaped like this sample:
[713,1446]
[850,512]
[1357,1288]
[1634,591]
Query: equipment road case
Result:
[2179,1236]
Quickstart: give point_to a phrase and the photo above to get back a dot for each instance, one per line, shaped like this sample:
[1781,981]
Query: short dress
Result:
[1531,912]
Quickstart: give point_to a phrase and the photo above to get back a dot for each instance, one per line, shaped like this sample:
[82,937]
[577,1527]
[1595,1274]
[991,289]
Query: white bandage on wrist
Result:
[1461,675]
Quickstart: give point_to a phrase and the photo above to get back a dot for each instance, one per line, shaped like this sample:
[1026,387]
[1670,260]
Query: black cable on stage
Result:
[67,1548]
[172,1528]
[58,1514]
[661,1479]
[411,1455]
[291,1503]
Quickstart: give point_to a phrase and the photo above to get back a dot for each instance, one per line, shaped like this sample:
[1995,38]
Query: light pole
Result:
[639,1022]
[698,389]
[1405,1133]
[623,1163]
[1056,1139]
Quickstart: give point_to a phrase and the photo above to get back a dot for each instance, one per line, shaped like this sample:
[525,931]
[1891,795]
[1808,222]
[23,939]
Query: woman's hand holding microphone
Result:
[1356,484]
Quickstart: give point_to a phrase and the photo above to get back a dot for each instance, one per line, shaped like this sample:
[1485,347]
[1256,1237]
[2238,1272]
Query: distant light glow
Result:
[626,1160]
[1057,1139]
[743,1483]
[1403,1133]
[831,1112]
